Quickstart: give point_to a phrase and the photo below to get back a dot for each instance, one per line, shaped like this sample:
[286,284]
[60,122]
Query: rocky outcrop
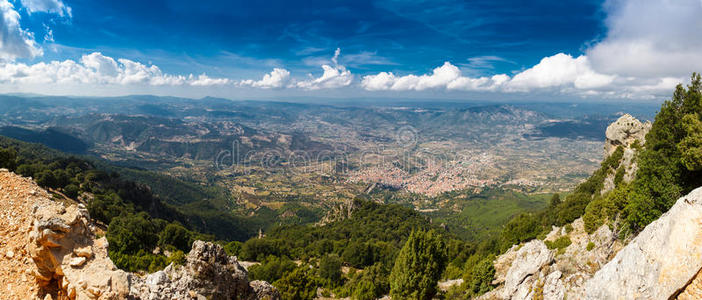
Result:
[209,273]
[529,259]
[52,250]
[68,258]
[660,261]
[663,262]
[624,131]
[532,271]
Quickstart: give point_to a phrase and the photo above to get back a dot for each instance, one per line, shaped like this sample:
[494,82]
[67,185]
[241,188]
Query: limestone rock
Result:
[528,261]
[69,261]
[554,289]
[661,260]
[624,132]
[208,273]
[264,290]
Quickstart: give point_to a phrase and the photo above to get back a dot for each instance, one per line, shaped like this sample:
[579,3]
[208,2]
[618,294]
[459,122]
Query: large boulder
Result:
[660,261]
[624,132]
[528,261]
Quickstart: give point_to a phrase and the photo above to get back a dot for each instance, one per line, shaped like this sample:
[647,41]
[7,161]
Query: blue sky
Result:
[400,35]
[486,50]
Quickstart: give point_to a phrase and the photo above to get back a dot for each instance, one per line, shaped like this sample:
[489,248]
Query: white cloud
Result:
[47,6]
[278,78]
[560,74]
[15,42]
[446,76]
[649,38]
[98,69]
[559,70]
[204,80]
[650,46]
[335,76]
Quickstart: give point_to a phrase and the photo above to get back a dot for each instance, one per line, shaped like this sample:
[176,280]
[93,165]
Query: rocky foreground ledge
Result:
[49,250]
[663,262]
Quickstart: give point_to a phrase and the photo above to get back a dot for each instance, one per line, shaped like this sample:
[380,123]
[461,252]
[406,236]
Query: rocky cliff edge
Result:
[49,250]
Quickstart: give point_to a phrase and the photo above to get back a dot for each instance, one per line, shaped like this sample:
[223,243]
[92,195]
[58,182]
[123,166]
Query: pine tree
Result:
[418,266]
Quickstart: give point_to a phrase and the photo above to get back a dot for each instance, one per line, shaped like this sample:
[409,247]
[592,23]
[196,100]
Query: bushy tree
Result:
[258,249]
[8,158]
[330,268]
[272,269]
[479,275]
[521,228]
[418,266]
[358,254]
[364,290]
[297,285]
[129,234]
[176,235]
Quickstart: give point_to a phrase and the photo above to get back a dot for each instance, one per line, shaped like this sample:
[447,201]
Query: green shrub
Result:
[590,246]
[176,235]
[8,158]
[569,228]
[560,243]
[522,228]
[364,290]
[478,279]
[272,269]
[619,176]
[233,248]
[330,268]
[258,249]
[177,257]
[297,285]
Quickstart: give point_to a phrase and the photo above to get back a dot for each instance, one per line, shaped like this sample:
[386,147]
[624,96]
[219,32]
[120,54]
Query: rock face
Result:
[55,246]
[68,258]
[209,273]
[660,261]
[663,262]
[625,131]
[533,271]
[528,261]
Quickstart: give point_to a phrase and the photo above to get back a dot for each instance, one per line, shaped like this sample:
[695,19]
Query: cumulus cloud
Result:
[560,70]
[650,38]
[47,6]
[98,69]
[278,78]
[560,73]
[446,76]
[334,76]
[15,42]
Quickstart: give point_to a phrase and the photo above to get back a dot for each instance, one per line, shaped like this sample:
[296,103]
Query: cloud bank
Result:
[98,69]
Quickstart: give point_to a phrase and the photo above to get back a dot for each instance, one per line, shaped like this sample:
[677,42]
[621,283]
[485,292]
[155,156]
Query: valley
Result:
[305,158]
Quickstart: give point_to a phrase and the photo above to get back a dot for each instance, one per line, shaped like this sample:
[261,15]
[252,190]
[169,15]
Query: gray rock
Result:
[208,273]
[659,261]
[624,132]
[528,261]
[553,286]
